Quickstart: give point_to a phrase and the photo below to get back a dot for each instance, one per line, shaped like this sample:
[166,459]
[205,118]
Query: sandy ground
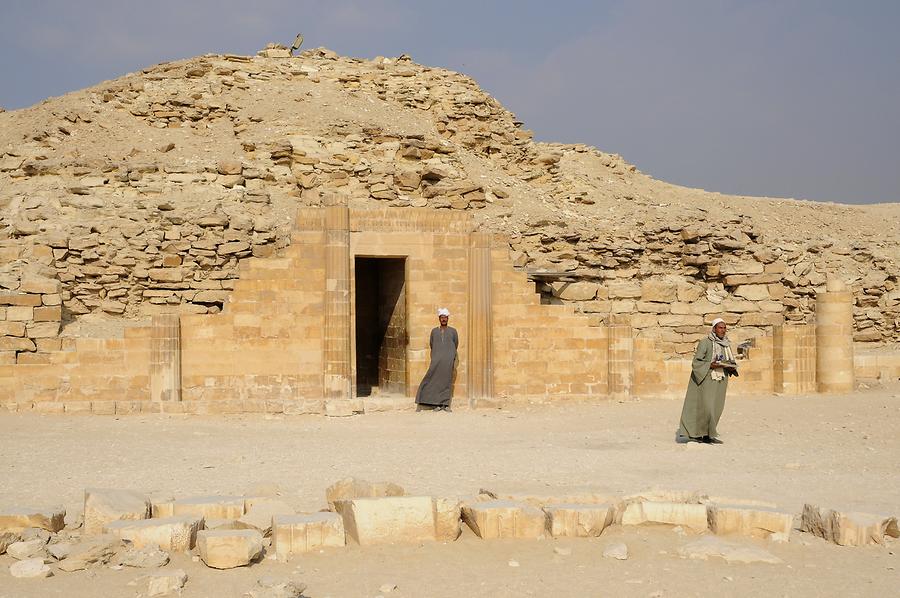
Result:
[837,451]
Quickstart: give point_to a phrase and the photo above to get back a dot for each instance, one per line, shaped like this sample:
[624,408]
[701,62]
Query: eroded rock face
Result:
[172,534]
[92,551]
[757,522]
[350,488]
[848,528]
[668,513]
[578,520]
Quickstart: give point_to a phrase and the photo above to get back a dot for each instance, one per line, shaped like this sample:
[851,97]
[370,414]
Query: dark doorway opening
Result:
[380,326]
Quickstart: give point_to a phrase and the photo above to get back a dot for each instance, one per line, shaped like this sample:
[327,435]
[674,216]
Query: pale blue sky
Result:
[790,98]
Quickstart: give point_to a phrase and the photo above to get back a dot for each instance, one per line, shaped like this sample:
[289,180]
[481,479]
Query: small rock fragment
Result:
[26,549]
[618,551]
[30,568]
[162,583]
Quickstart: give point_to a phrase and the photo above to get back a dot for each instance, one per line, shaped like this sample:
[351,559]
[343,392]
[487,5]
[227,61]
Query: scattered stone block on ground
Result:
[495,519]
[164,583]
[30,568]
[578,520]
[60,550]
[144,558]
[618,551]
[227,549]
[669,513]
[350,488]
[93,551]
[8,538]
[104,505]
[19,518]
[388,520]
[296,534]
[848,528]
[731,552]
[270,587]
[259,514]
[26,549]
[213,507]
[447,519]
[754,522]
[173,534]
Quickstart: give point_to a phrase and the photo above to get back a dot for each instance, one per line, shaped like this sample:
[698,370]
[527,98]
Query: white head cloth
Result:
[715,323]
[444,312]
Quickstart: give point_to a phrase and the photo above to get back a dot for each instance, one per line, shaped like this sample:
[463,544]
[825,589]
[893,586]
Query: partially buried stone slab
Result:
[296,534]
[174,534]
[30,568]
[226,549]
[447,518]
[94,551]
[756,522]
[668,513]
[578,520]
[161,583]
[389,520]
[494,519]
[104,505]
[26,549]
[848,528]
[731,552]
[19,518]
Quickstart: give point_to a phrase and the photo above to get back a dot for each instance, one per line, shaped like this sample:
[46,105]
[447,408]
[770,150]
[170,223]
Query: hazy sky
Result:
[789,98]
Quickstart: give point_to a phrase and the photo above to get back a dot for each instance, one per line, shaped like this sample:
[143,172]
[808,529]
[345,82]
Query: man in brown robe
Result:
[705,399]
[434,391]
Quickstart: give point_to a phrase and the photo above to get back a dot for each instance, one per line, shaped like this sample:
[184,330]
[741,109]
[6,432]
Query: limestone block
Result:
[296,534]
[757,522]
[227,549]
[350,488]
[670,513]
[19,518]
[388,520]
[26,549]
[578,520]
[447,518]
[664,291]
[214,507]
[104,505]
[738,266]
[39,285]
[753,292]
[731,552]
[163,583]
[173,534]
[259,515]
[30,568]
[7,539]
[848,528]
[95,551]
[624,290]
[504,519]
[575,291]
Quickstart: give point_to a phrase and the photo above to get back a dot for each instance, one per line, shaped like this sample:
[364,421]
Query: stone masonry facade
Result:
[285,341]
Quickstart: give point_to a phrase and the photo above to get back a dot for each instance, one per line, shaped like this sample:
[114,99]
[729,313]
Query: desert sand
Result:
[835,451]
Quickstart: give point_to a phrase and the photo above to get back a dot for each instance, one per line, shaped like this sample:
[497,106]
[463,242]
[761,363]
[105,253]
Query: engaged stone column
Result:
[834,338]
[337,302]
[480,364]
[165,358]
[621,359]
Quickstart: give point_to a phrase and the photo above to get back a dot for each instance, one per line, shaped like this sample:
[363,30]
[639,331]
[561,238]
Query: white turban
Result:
[715,322]
[444,312]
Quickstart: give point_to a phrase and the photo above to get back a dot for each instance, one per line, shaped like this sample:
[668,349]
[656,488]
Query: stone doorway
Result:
[381,320]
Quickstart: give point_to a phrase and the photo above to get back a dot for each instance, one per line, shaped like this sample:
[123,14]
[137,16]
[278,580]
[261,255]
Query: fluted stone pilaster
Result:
[165,358]
[480,325]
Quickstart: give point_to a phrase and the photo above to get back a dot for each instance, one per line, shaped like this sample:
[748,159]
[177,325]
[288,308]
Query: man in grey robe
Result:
[434,391]
[713,364]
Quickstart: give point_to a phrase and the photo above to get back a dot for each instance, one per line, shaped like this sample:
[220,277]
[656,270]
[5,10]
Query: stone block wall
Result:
[30,317]
[542,351]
